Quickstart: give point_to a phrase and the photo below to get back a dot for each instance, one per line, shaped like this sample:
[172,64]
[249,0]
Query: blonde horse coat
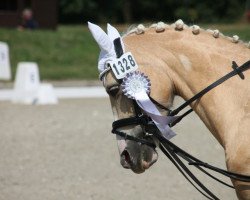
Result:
[182,61]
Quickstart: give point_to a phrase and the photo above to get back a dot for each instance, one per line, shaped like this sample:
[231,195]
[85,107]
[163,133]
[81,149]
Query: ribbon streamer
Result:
[160,121]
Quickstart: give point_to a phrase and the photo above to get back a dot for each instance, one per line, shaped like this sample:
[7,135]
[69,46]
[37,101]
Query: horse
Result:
[181,60]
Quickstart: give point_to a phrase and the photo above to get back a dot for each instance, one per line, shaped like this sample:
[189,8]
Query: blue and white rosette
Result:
[136,85]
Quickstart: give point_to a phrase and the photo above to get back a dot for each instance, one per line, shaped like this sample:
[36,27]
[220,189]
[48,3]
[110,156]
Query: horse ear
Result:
[114,34]
[101,38]
[105,44]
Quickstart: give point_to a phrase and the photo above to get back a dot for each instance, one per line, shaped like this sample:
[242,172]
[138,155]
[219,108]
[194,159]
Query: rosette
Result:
[134,83]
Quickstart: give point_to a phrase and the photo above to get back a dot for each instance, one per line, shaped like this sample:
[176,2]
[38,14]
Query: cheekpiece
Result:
[134,83]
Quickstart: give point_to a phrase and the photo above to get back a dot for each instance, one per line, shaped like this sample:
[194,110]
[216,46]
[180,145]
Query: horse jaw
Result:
[135,156]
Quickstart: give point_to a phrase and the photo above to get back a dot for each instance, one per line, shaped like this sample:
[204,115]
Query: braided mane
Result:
[179,26]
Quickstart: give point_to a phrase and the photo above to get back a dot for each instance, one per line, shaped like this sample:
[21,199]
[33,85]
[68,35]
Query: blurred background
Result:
[65,150]
[62,46]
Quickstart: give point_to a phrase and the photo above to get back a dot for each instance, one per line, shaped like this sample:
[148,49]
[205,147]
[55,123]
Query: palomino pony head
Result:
[135,156]
[181,60]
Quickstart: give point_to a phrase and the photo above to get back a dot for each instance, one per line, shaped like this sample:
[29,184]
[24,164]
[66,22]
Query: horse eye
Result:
[113,90]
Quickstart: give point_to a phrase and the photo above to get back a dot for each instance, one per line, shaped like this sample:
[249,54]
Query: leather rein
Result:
[173,152]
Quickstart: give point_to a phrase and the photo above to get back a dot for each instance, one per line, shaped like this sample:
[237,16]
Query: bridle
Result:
[138,119]
[173,152]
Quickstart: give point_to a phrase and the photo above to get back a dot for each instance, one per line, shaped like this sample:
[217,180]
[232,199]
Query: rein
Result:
[236,71]
[173,152]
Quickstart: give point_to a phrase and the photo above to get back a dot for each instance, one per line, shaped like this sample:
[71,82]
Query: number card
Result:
[123,65]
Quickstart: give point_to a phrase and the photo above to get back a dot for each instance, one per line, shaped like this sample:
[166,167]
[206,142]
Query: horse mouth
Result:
[126,159]
[134,155]
[139,165]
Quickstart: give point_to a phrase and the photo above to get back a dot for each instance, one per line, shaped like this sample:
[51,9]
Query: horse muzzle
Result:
[138,163]
[135,155]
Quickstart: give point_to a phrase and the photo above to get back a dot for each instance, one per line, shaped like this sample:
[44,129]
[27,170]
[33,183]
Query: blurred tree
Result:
[211,11]
[248,10]
[71,11]
[248,5]
[126,10]
[117,11]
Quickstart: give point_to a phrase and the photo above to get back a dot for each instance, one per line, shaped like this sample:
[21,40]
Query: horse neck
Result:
[193,62]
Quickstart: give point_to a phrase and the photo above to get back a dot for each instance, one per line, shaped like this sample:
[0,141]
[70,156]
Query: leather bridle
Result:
[173,152]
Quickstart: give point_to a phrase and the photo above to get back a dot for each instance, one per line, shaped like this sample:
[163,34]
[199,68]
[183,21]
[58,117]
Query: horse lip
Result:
[148,164]
[145,165]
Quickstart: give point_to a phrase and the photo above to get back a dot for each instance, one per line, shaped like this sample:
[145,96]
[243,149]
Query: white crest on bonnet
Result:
[105,42]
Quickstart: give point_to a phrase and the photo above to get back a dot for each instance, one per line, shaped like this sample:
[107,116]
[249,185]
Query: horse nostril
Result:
[127,156]
[125,159]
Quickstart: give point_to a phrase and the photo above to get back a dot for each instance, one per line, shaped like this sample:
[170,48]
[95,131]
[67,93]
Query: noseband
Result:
[172,151]
[141,120]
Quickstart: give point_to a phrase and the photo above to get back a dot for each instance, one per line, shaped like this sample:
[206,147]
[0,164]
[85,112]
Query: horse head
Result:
[133,155]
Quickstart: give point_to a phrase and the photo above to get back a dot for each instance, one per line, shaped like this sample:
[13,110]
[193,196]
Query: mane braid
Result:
[179,26]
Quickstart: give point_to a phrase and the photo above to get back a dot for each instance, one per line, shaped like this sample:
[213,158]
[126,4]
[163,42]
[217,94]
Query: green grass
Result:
[70,52]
